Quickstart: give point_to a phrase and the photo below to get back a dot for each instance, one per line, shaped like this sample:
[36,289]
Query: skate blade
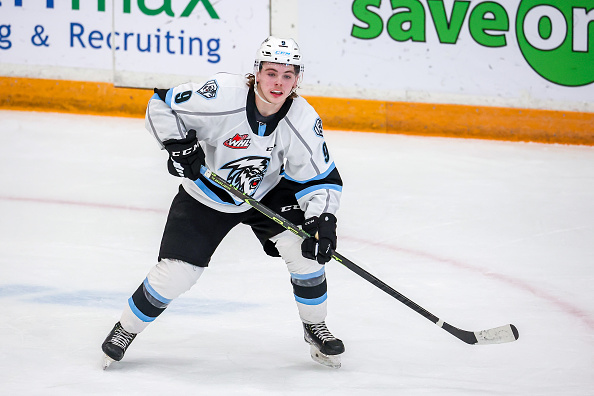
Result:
[107,361]
[332,361]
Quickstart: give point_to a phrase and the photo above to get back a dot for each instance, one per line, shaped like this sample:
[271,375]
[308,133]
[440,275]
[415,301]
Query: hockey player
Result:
[266,141]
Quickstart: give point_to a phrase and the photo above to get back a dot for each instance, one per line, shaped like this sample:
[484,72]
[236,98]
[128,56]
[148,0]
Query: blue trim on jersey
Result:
[316,187]
[137,312]
[153,293]
[261,129]
[168,97]
[209,193]
[318,177]
[309,276]
[312,301]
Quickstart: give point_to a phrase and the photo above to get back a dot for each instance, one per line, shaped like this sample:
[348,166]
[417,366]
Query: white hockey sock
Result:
[307,276]
[165,281]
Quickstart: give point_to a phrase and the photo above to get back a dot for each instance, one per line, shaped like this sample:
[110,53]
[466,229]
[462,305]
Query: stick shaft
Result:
[336,256]
[491,336]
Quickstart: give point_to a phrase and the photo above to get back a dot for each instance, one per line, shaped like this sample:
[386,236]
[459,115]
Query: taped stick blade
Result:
[497,335]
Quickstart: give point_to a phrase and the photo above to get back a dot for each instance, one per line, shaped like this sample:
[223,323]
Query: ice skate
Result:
[324,347]
[115,345]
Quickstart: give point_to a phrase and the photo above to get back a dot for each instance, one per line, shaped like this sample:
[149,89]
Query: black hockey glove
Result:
[185,156]
[322,248]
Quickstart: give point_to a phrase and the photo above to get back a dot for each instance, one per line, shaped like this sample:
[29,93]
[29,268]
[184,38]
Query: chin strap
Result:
[258,93]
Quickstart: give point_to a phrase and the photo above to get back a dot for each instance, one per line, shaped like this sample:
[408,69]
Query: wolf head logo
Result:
[247,173]
[209,89]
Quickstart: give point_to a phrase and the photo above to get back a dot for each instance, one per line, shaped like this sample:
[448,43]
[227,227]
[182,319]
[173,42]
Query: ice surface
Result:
[480,233]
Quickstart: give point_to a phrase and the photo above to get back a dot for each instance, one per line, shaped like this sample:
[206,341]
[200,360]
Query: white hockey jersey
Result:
[250,155]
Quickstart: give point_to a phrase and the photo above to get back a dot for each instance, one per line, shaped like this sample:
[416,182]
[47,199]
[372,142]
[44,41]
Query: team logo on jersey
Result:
[209,89]
[238,142]
[247,173]
[318,128]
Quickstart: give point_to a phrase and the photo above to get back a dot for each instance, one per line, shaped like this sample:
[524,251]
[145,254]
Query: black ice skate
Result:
[325,348]
[115,344]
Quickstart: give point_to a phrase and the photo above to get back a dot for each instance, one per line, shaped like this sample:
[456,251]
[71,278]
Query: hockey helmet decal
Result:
[279,50]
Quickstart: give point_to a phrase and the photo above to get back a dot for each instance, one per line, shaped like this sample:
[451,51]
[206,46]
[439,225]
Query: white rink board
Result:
[122,43]
[463,71]
[196,46]
[530,54]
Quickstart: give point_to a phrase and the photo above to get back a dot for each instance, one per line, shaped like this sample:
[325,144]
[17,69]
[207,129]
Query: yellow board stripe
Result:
[445,120]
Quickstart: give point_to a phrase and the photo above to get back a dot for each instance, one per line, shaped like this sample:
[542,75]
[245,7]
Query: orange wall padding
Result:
[445,120]
[463,121]
[72,97]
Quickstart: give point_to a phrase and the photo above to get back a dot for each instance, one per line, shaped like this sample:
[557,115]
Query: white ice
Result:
[479,233]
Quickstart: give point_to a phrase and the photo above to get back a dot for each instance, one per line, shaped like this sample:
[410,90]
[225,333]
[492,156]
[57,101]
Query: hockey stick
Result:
[497,335]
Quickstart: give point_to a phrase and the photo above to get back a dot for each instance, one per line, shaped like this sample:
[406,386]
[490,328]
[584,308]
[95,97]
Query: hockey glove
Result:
[185,156]
[322,248]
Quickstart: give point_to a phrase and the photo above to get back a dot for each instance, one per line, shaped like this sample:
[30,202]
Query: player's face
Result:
[276,82]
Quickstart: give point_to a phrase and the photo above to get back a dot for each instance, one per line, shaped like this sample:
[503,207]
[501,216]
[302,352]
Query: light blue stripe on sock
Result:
[153,293]
[309,276]
[137,312]
[312,301]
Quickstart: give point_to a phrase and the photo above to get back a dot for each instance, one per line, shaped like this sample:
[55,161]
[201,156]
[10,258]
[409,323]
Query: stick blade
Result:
[497,335]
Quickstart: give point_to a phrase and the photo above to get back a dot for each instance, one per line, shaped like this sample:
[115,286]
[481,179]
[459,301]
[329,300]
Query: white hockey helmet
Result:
[279,50]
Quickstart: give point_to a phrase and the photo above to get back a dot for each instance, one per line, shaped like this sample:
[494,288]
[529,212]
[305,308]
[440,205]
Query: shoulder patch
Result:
[318,128]
[209,89]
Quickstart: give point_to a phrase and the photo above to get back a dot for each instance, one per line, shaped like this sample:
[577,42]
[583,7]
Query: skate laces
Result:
[321,331]
[122,338]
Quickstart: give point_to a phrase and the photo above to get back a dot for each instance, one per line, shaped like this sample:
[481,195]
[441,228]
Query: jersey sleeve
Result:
[160,119]
[311,167]
[171,113]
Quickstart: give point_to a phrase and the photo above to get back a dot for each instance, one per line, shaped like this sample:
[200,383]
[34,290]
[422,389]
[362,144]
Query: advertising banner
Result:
[135,43]
[518,53]
[187,37]
[510,53]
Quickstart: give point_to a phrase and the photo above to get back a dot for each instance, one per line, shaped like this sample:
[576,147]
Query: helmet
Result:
[279,50]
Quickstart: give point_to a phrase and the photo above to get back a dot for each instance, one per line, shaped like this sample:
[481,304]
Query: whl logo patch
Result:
[238,142]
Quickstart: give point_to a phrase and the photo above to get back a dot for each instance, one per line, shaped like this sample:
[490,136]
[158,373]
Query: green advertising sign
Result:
[554,36]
